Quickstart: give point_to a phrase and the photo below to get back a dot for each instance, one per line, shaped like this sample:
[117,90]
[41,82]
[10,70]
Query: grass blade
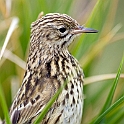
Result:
[112,91]
[102,77]
[111,94]
[13,58]
[49,104]
[4,106]
[115,105]
[10,31]
[77,51]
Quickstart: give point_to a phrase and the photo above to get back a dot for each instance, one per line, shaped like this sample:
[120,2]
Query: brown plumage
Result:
[49,64]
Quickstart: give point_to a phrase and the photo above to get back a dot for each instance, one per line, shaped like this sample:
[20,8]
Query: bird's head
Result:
[57,29]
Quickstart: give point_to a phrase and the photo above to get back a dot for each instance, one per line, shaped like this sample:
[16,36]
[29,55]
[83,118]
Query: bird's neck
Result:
[40,61]
[43,54]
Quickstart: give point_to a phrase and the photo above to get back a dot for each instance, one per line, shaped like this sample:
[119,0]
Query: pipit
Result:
[49,64]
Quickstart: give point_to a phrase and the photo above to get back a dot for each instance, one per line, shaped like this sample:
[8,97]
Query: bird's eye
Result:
[62,30]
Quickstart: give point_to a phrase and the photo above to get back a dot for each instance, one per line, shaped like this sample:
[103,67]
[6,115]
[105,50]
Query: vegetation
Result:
[100,55]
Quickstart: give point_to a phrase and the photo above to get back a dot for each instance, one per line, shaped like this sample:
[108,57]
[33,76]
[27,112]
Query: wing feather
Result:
[43,91]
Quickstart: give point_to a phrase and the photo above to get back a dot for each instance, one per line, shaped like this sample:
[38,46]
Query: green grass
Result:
[4,106]
[108,106]
[99,54]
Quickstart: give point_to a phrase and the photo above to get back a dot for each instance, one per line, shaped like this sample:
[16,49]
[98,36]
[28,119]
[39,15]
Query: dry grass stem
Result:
[13,26]
[99,78]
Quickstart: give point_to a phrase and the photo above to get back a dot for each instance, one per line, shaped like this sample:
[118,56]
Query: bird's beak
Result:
[82,29]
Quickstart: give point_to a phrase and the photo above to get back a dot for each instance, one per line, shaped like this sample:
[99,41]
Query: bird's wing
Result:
[33,101]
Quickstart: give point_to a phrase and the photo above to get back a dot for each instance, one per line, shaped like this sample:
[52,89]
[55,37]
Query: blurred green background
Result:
[98,54]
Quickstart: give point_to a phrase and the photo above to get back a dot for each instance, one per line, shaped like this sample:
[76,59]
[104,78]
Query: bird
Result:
[49,64]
